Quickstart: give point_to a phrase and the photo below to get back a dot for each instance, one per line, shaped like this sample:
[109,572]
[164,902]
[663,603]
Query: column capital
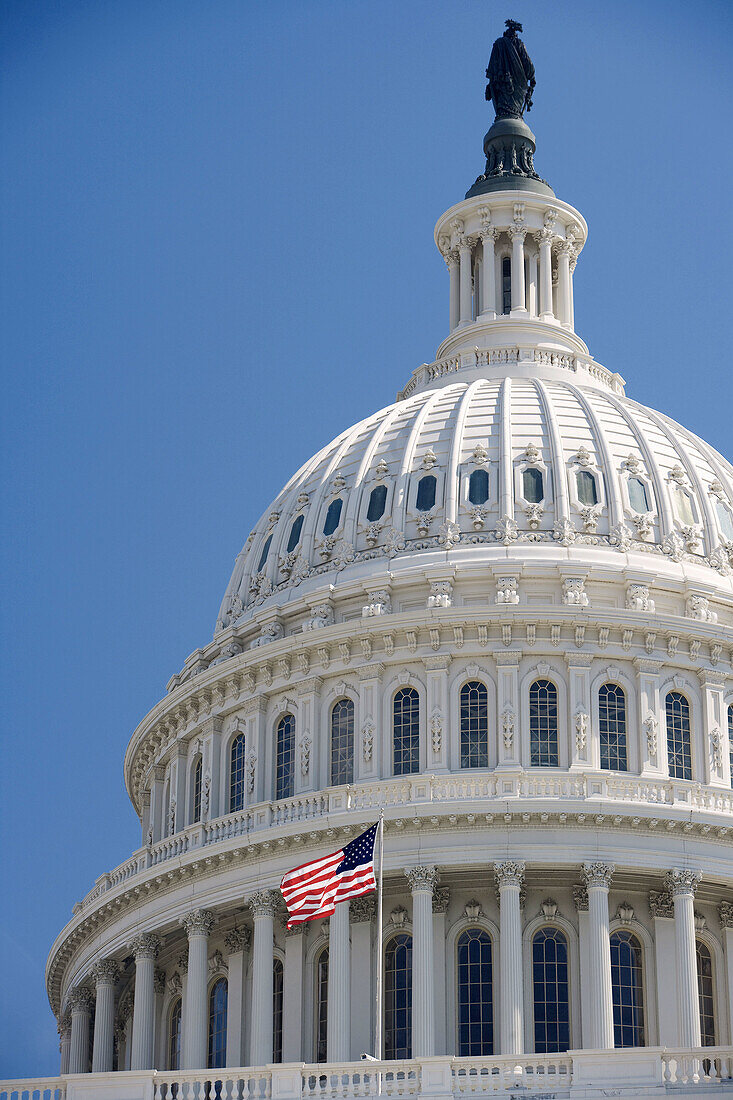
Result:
[466,243]
[63,1023]
[598,874]
[451,257]
[182,963]
[199,922]
[725,912]
[518,230]
[239,939]
[264,903]
[145,946]
[422,878]
[362,909]
[682,881]
[105,972]
[545,236]
[509,872]
[489,233]
[661,903]
[580,897]
[159,981]
[81,999]
[441,899]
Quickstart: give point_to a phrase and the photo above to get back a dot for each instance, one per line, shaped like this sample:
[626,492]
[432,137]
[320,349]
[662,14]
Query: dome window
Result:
[638,497]
[627,990]
[612,726]
[426,493]
[533,485]
[679,736]
[285,757]
[506,285]
[263,555]
[725,520]
[333,516]
[587,487]
[377,503]
[295,534]
[478,487]
[682,505]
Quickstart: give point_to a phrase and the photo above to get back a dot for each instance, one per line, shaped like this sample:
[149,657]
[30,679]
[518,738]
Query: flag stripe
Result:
[314,889]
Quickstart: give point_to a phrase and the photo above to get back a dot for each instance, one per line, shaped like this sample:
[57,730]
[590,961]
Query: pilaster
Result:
[438,741]
[653,746]
[367,735]
[582,755]
[237,943]
[509,739]
[293,999]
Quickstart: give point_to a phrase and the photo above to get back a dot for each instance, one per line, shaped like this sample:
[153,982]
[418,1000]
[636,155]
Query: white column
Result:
[293,994]
[237,943]
[145,951]
[682,884]
[564,251]
[532,285]
[198,925]
[441,900]
[105,975]
[725,912]
[544,240]
[466,312]
[157,810]
[517,233]
[263,906]
[661,907]
[81,1001]
[64,1030]
[488,272]
[455,290]
[573,261]
[339,985]
[361,914]
[600,1024]
[510,875]
[422,881]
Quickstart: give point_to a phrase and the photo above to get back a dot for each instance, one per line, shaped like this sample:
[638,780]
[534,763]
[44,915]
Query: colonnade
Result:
[422,880]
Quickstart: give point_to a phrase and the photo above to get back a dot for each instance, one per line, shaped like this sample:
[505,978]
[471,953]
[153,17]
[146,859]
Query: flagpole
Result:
[379,1039]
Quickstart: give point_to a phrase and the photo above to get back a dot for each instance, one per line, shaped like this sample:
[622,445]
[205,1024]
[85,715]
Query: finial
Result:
[510,74]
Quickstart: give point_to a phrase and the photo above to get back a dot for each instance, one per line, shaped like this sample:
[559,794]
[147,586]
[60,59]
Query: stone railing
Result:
[590,1075]
[605,791]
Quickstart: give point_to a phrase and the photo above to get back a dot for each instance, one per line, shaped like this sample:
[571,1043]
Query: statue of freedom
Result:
[510,74]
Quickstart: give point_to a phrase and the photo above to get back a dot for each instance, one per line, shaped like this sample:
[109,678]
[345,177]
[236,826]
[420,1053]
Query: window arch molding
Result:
[389,690]
[237,730]
[332,693]
[618,678]
[463,677]
[649,974]
[571,936]
[557,679]
[684,686]
[276,710]
[715,947]
[453,934]
[310,964]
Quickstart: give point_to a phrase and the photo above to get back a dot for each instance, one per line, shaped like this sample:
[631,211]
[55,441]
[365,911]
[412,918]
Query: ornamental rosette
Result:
[509,872]
[264,903]
[598,874]
[682,881]
[145,946]
[422,878]
[199,922]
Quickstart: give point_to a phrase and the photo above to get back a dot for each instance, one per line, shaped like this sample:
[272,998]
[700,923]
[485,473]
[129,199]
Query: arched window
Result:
[342,742]
[475,994]
[638,497]
[706,994]
[398,997]
[294,537]
[612,727]
[322,1006]
[167,830]
[285,757]
[533,487]
[506,285]
[679,752]
[426,493]
[474,725]
[196,790]
[478,487]
[218,1024]
[265,552]
[377,503]
[587,487]
[730,741]
[277,1010]
[406,732]
[725,519]
[551,991]
[236,775]
[543,746]
[174,1035]
[627,985]
[333,515]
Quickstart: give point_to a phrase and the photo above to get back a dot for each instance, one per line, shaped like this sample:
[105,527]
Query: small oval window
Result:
[533,486]
[263,555]
[426,493]
[478,487]
[587,488]
[682,505]
[725,519]
[333,515]
[377,503]
[638,498]
[295,534]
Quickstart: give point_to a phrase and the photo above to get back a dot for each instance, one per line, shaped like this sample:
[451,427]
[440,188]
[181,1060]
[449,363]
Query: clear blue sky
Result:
[216,254]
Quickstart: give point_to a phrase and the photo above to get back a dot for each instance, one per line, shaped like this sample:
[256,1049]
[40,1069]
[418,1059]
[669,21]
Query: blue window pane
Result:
[377,503]
[285,757]
[475,994]
[587,488]
[398,997]
[550,991]
[474,725]
[426,493]
[679,751]
[322,1006]
[342,742]
[263,555]
[638,498]
[236,775]
[196,792]
[612,727]
[725,519]
[333,515]
[478,487]
[543,741]
[277,1010]
[295,534]
[533,486]
[706,994]
[627,989]
[174,1036]
[406,732]
[218,1025]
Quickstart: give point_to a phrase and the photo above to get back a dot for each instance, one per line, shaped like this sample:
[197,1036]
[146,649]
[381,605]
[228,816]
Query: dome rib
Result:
[452,471]
[408,456]
[666,523]
[353,509]
[615,503]
[558,465]
[505,453]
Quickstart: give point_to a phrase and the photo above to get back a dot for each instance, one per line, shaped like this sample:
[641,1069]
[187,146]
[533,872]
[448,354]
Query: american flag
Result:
[314,889]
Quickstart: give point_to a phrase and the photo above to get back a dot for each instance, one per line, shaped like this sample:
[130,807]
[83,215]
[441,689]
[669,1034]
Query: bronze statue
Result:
[510,74]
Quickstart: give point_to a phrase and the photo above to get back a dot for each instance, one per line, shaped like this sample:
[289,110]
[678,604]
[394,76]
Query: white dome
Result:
[658,489]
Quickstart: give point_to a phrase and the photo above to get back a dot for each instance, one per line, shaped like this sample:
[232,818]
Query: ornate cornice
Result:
[509,872]
[422,878]
[199,922]
[683,881]
[598,874]
[145,946]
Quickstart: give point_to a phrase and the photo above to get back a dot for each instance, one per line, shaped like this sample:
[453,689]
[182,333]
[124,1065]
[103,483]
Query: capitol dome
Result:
[499,612]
